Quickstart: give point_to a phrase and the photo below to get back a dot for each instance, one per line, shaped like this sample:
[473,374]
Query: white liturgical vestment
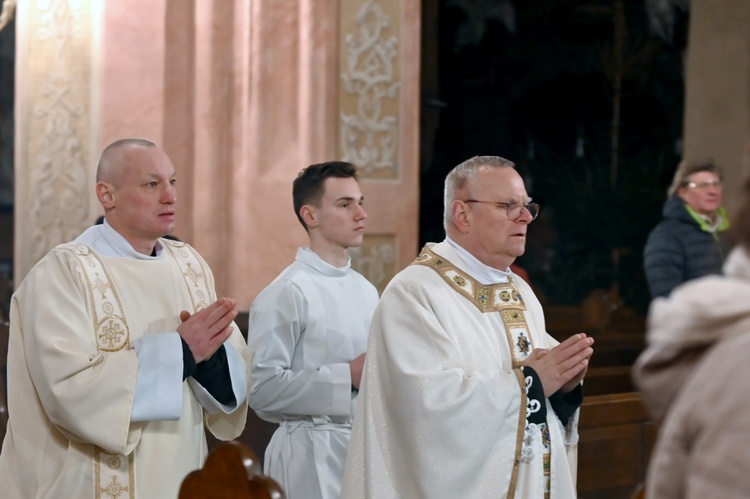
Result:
[305,328]
[443,406]
[97,404]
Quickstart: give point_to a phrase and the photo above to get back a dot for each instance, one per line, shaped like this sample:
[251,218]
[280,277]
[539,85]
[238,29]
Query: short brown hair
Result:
[307,188]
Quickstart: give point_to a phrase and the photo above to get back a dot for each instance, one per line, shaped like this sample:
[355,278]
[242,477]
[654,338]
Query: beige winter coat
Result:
[694,378]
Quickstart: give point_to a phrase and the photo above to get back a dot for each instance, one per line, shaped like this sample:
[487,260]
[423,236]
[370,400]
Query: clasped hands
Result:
[205,331]
[563,366]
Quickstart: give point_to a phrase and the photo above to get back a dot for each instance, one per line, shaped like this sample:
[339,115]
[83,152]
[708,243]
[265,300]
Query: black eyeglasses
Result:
[513,209]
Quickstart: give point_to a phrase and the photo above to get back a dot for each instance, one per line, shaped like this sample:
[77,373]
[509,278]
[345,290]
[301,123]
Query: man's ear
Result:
[461,216]
[105,194]
[310,215]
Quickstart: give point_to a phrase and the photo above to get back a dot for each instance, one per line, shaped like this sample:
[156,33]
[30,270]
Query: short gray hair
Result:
[459,176]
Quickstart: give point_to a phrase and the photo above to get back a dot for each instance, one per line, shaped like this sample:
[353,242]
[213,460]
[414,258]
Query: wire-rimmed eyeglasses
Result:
[514,209]
[702,186]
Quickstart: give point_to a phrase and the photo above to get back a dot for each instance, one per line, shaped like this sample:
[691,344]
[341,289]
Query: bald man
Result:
[120,353]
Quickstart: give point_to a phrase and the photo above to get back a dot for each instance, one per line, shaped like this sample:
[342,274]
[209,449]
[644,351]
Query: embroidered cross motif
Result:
[111,334]
[114,488]
[100,286]
[193,274]
[483,296]
[459,280]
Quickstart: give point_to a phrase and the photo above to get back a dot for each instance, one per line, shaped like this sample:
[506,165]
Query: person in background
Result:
[309,331]
[464,393]
[120,353]
[690,379]
[689,241]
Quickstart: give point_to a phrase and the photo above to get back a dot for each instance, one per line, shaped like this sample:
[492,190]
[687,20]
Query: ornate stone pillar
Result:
[378,129]
[56,122]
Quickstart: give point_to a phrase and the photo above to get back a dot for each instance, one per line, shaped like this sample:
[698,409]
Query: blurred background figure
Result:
[697,343]
[689,241]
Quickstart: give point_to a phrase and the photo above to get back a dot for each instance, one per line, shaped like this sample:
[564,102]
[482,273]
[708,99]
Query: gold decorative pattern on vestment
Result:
[502,297]
[110,327]
[112,334]
[193,272]
[114,475]
[505,299]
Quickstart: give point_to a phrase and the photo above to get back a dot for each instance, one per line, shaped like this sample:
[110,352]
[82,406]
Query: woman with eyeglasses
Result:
[691,379]
[690,241]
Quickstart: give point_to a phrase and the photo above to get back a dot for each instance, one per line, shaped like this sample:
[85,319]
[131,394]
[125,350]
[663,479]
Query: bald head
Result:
[136,186]
[109,168]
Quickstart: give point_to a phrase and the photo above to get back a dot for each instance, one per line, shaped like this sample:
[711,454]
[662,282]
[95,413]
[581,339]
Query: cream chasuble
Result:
[72,370]
[443,407]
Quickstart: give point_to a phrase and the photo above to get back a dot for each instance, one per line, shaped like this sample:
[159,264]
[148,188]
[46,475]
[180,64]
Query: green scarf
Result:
[723,224]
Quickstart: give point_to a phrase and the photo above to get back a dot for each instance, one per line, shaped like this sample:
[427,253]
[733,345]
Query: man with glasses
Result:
[689,242]
[464,393]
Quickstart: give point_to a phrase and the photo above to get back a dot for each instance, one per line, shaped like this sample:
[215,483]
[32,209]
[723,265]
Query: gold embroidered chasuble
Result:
[504,299]
[101,306]
[442,410]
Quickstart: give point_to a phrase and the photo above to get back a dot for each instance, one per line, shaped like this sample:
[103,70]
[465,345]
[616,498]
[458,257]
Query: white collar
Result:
[104,239]
[476,269]
[309,257]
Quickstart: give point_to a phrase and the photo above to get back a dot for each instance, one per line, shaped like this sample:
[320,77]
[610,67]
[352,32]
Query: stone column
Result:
[56,124]
[717,103]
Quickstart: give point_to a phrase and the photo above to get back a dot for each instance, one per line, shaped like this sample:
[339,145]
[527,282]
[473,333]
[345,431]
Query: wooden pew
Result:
[232,471]
[608,379]
[616,438]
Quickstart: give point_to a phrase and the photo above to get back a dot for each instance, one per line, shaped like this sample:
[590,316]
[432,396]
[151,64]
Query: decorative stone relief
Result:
[376,259]
[369,125]
[58,122]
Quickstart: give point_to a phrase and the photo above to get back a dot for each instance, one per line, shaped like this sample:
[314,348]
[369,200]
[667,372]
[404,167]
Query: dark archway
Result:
[588,103]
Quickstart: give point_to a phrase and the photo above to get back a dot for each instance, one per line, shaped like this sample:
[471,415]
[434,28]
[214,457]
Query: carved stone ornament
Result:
[369,138]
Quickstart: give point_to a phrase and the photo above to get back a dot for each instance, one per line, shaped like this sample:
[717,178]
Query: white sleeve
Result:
[277,320]
[158,386]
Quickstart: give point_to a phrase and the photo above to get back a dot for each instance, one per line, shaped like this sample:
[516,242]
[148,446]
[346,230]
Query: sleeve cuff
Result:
[536,407]
[188,361]
[566,404]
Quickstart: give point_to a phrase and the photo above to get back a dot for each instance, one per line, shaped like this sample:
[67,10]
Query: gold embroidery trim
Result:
[519,435]
[111,331]
[193,272]
[505,299]
[108,470]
